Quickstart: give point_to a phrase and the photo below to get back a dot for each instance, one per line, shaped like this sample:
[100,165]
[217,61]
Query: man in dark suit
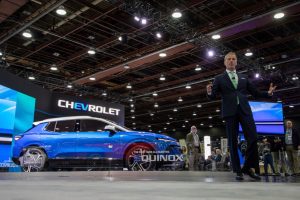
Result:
[292,142]
[234,89]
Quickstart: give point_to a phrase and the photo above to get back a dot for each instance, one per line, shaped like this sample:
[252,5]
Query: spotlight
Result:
[175,110]
[92,78]
[216,36]
[91,51]
[210,53]
[104,93]
[257,75]
[151,114]
[120,38]
[61,10]
[278,15]
[217,110]
[136,18]
[133,117]
[183,126]
[210,117]
[248,53]
[199,105]
[128,86]
[210,126]
[194,114]
[150,130]
[176,14]
[131,100]
[131,105]
[144,21]
[291,106]
[165,128]
[158,35]
[155,94]
[188,86]
[1,54]
[156,105]
[295,77]
[31,78]
[168,123]
[162,55]
[198,68]
[149,126]
[162,78]
[69,86]
[53,68]
[132,110]
[180,99]
[126,66]
[27,33]
[201,124]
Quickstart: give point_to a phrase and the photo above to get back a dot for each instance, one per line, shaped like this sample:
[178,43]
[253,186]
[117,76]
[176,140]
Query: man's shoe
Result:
[250,173]
[239,177]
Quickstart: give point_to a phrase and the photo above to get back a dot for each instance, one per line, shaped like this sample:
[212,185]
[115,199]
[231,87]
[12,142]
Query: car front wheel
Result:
[140,158]
[33,160]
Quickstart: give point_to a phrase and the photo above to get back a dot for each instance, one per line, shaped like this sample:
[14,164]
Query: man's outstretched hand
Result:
[271,89]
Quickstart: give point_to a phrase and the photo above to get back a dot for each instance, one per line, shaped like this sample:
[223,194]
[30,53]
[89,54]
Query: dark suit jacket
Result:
[295,138]
[223,85]
[190,143]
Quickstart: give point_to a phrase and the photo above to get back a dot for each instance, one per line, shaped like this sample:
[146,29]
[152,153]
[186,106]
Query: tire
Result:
[134,158]
[34,159]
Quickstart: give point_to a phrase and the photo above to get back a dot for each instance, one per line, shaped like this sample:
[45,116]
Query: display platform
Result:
[143,185]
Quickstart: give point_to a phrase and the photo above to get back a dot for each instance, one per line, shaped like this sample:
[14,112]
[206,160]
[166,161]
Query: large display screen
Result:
[16,111]
[268,117]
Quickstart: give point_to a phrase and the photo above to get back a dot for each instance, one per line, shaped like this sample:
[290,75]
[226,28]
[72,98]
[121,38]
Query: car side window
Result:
[92,125]
[65,126]
[50,127]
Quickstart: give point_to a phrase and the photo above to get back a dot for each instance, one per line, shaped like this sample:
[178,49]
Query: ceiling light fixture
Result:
[53,68]
[31,78]
[126,66]
[156,105]
[248,53]
[162,55]
[198,68]
[104,93]
[210,53]
[136,18]
[216,36]
[92,78]
[162,77]
[158,35]
[69,86]
[176,13]
[278,15]
[155,94]
[199,105]
[175,110]
[188,86]
[27,33]
[61,11]
[129,86]
[144,21]
[180,99]
[91,51]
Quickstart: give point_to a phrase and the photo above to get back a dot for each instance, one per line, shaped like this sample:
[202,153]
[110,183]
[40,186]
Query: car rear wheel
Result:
[140,158]
[33,160]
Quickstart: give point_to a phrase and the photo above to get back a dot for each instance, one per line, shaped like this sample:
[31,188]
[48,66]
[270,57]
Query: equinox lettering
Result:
[87,107]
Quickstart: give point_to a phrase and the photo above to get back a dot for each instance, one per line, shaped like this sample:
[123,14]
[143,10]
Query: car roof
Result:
[78,118]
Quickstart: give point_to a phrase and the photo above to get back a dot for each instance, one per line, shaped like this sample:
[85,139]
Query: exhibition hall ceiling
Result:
[146,56]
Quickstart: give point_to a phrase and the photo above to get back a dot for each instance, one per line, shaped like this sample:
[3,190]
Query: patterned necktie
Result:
[233,79]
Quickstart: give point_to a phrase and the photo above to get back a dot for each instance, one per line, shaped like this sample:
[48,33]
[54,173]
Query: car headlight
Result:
[165,140]
[17,137]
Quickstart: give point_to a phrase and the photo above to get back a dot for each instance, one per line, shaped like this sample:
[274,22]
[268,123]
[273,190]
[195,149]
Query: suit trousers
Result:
[249,130]
[194,159]
[292,159]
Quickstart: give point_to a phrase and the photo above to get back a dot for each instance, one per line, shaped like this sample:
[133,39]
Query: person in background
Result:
[292,146]
[194,150]
[267,156]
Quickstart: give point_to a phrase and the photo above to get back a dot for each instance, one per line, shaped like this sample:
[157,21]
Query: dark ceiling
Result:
[63,41]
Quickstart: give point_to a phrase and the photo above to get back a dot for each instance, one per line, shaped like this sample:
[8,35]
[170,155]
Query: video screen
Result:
[16,111]
[268,117]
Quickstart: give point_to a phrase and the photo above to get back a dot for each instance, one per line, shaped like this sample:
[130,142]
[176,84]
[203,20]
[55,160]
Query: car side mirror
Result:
[110,128]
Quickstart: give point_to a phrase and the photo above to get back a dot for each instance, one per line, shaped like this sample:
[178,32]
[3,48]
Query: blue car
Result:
[85,141]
